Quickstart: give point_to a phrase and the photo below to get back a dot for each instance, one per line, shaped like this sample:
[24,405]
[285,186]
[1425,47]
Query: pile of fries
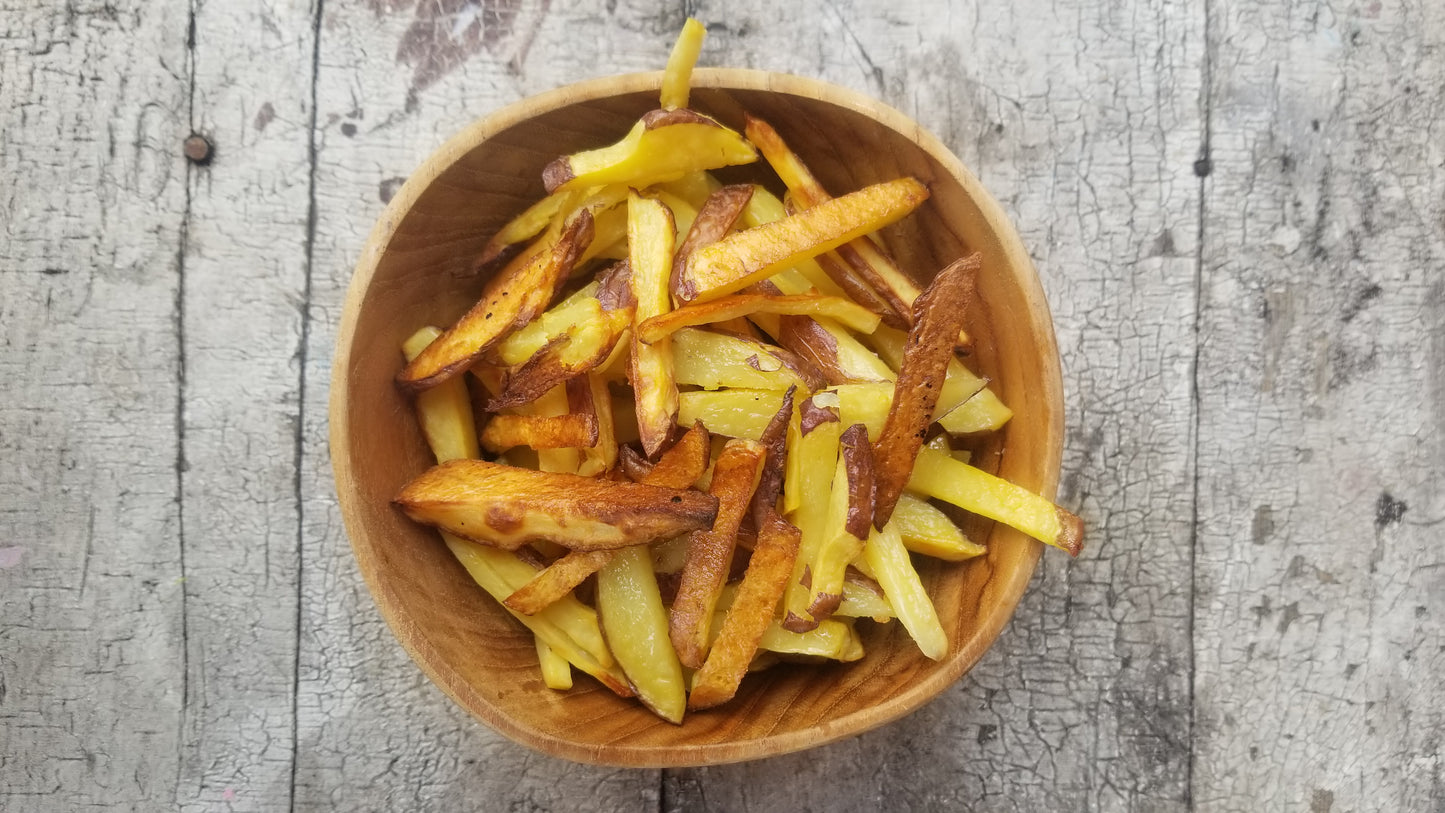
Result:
[715,419]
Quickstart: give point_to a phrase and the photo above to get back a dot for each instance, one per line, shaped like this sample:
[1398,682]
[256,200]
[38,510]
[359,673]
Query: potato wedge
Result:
[511,299]
[636,625]
[663,146]
[745,257]
[749,616]
[710,550]
[938,475]
[650,238]
[682,465]
[507,507]
[938,316]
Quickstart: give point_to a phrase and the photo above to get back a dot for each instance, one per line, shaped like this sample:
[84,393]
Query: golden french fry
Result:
[927,530]
[814,457]
[650,238]
[506,507]
[636,624]
[677,78]
[710,550]
[848,313]
[938,316]
[734,413]
[713,221]
[940,476]
[663,146]
[557,580]
[744,257]
[511,299]
[888,559]
[568,431]
[749,616]
[585,346]
[556,671]
[445,412]
[712,360]
[965,404]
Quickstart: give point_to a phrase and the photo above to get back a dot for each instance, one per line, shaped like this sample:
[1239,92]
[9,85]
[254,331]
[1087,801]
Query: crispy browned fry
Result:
[633,464]
[511,299]
[602,455]
[938,315]
[680,466]
[584,347]
[819,346]
[751,613]
[664,145]
[744,257]
[710,551]
[775,444]
[527,225]
[849,511]
[506,507]
[503,432]
[718,215]
[731,307]
[557,580]
[861,259]
[650,238]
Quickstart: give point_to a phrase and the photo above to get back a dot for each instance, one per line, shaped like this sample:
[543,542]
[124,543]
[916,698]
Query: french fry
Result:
[832,639]
[939,476]
[938,316]
[745,257]
[506,507]
[530,223]
[927,530]
[712,360]
[845,527]
[568,431]
[841,358]
[636,625]
[677,78]
[809,488]
[601,456]
[650,237]
[556,671]
[511,299]
[663,146]
[965,404]
[684,463]
[863,598]
[567,315]
[713,221]
[557,580]
[735,413]
[775,444]
[585,346]
[445,413]
[749,616]
[710,551]
[888,559]
[844,311]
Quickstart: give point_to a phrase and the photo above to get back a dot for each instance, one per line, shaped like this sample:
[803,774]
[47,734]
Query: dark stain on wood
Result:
[1263,526]
[1361,300]
[1389,511]
[446,33]
[264,116]
[387,189]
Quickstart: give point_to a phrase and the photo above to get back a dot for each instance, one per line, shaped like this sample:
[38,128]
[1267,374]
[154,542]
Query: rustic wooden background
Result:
[1238,209]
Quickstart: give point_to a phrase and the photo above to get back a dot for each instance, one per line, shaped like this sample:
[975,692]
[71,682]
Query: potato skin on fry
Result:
[938,316]
[506,507]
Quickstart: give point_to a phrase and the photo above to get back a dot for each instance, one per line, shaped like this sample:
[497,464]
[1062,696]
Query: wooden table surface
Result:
[1238,210]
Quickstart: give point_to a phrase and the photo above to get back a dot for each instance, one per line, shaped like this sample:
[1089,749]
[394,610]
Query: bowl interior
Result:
[415,271]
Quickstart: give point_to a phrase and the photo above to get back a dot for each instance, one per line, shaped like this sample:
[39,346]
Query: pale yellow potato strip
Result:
[677,78]
[637,630]
[556,671]
[854,316]
[889,561]
[937,474]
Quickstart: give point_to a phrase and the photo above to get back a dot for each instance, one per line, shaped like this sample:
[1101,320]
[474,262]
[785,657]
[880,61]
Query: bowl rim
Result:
[1009,590]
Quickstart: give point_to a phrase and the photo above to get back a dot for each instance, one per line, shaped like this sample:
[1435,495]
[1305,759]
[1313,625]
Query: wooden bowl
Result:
[414,270]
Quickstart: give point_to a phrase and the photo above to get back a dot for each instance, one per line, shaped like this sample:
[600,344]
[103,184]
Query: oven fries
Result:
[713,423]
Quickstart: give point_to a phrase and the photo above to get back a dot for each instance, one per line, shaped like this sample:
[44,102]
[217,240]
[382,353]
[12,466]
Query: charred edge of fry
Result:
[1071,532]
[858,460]
[775,446]
[938,315]
[718,215]
[663,117]
[532,379]
[503,432]
[633,464]
[862,270]
[804,337]
[823,606]
[814,416]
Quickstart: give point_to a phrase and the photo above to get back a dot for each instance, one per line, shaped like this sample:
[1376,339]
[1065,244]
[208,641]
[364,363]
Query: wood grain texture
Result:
[1321,581]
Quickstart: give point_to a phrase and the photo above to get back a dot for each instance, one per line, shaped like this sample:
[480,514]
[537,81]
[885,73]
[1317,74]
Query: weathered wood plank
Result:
[1321,583]
[245,284]
[374,734]
[1085,123]
[92,672]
